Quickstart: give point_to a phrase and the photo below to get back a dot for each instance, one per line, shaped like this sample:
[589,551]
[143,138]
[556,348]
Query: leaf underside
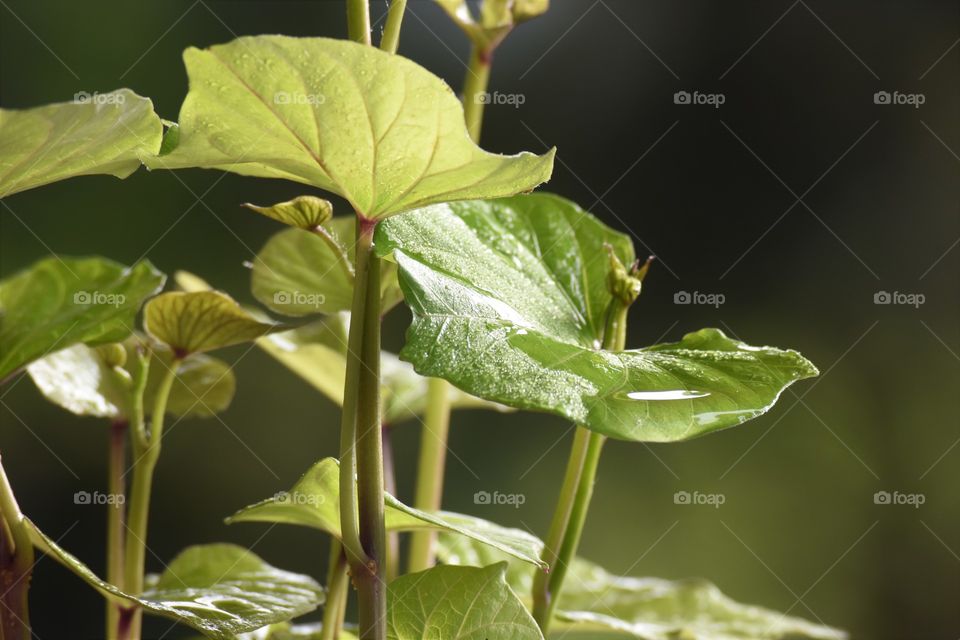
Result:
[507,301]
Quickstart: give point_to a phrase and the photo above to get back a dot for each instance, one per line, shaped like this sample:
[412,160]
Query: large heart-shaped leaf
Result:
[299,273]
[201,321]
[59,302]
[83,381]
[99,133]
[314,501]
[466,603]
[375,128]
[508,305]
[218,589]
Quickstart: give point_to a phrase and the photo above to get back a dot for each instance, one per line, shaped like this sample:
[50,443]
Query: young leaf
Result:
[314,501]
[303,212]
[317,353]
[507,302]
[81,380]
[457,602]
[655,609]
[59,302]
[299,274]
[195,322]
[375,128]
[218,589]
[100,133]
[497,18]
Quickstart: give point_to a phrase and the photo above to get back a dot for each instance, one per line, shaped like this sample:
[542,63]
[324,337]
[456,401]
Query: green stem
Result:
[391,32]
[361,465]
[136,542]
[430,467]
[475,89]
[358,21]
[575,494]
[337,590]
[16,566]
[116,513]
[392,567]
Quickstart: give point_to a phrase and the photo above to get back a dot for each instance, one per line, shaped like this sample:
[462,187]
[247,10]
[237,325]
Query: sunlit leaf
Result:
[195,322]
[204,385]
[314,501]
[508,305]
[375,128]
[219,589]
[468,603]
[303,212]
[298,273]
[495,20]
[95,133]
[59,302]
[287,631]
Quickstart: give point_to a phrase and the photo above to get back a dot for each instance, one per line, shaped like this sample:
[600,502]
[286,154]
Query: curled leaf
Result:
[303,212]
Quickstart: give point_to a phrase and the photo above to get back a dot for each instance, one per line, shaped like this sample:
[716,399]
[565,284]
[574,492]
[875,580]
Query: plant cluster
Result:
[520,302]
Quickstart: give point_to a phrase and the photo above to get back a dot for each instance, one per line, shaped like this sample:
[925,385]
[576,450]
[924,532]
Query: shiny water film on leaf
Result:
[59,302]
[374,128]
[106,133]
[508,305]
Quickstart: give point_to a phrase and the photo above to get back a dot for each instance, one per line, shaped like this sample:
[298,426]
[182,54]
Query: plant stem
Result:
[475,89]
[358,21]
[16,566]
[433,454]
[575,493]
[337,584]
[143,468]
[116,513]
[391,32]
[361,465]
[392,567]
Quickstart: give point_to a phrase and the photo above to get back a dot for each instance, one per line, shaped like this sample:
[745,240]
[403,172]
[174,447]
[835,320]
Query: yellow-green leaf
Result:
[303,212]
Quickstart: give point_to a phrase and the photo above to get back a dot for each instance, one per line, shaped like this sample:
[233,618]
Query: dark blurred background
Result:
[798,199]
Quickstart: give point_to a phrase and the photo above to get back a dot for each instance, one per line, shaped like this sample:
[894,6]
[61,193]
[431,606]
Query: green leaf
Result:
[457,602]
[496,19]
[507,301]
[201,321]
[287,631]
[655,609]
[372,127]
[317,353]
[59,302]
[100,133]
[303,212]
[298,273]
[218,589]
[81,380]
[314,501]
